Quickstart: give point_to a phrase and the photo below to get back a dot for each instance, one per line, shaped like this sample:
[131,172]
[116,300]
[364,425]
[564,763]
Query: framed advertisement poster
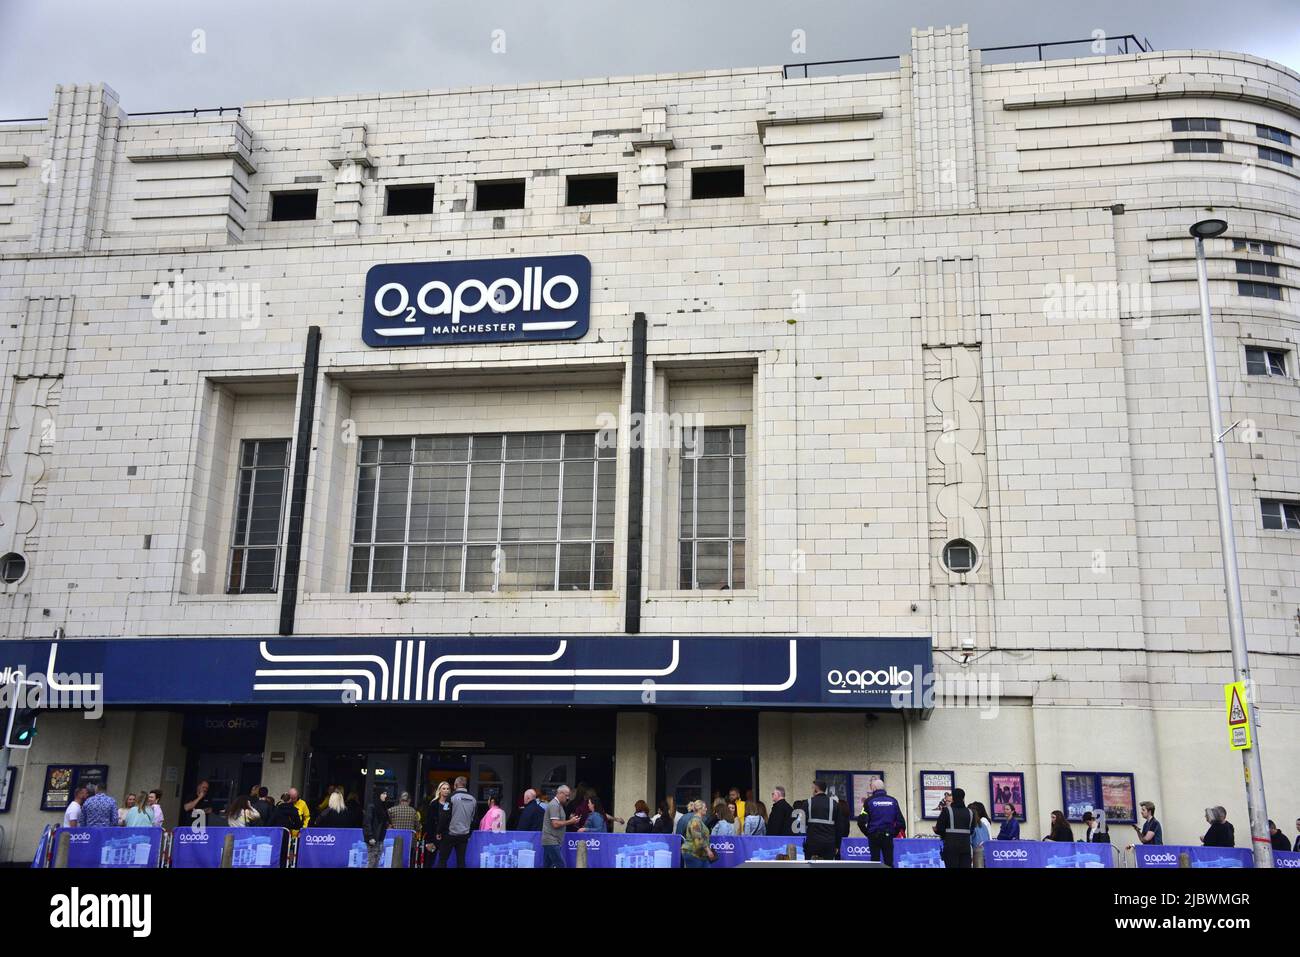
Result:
[839,785]
[850,785]
[1111,791]
[57,791]
[935,786]
[862,787]
[1006,787]
[1078,794]
[62,781]
[90,774]
[7,790]
[1118,797]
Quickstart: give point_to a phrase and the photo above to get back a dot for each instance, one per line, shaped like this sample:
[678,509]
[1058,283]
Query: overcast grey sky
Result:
[272,49]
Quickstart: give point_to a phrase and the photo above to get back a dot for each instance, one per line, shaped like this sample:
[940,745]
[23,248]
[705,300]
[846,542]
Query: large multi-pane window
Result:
[712,509]
[259,513]
[519,511]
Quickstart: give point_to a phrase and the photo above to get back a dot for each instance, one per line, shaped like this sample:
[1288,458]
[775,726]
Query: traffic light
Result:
[20,733]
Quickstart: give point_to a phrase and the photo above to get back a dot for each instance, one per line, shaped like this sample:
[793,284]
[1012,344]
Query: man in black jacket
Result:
[260,799]
[825,823]
[285,815]
[530,818]
[778,817]
[954,826]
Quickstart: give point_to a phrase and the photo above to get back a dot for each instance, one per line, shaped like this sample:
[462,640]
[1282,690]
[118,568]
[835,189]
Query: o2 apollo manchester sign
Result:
[479,300]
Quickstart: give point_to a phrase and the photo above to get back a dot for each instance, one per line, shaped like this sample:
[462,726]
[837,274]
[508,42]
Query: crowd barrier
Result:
[347,847]
[273,847]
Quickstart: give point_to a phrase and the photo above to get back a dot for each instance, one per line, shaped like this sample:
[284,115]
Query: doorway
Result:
[228,773]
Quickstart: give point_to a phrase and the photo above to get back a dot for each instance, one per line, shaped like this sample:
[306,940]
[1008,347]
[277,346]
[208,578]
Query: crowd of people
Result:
[444,824]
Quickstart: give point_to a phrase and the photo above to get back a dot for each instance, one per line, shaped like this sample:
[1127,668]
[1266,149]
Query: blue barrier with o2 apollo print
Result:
[1166,855]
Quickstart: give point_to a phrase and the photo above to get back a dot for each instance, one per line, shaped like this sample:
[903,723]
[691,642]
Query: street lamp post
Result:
[1259,837]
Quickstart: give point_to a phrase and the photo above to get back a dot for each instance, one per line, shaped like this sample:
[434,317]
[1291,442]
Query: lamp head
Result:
[1208,228]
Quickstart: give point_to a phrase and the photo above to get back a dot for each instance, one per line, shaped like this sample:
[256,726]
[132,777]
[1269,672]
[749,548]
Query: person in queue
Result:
[554,825]
[1060,829]
[1220,833]
[639,822]
[1009,829]
[779,818]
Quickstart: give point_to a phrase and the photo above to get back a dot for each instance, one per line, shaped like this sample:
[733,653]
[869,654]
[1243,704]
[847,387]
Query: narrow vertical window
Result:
[712,509]
[261,483]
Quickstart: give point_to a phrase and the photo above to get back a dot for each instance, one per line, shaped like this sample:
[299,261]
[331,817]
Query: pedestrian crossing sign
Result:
[1234,697]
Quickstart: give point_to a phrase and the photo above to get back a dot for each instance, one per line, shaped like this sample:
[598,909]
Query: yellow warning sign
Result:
[1234,699]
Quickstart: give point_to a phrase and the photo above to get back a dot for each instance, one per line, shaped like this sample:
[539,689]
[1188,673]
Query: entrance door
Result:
[492,775]
[386,772]
[687,779]
[549,771]
[228,774]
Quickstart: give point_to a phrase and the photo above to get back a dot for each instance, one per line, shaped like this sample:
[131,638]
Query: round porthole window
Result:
[12,568]
[959,555]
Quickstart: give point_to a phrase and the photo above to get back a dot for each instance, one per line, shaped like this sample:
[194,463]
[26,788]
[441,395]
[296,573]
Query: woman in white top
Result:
[153,802]
[240,814]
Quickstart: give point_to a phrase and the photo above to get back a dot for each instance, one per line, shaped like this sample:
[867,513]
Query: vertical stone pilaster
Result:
[83,125]
[635,759]
[652,146]
[956,456]
[288,732]
[943,129]
[351,160]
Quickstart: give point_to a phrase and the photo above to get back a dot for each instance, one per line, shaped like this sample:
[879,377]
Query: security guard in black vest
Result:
[822,842]
[954,826]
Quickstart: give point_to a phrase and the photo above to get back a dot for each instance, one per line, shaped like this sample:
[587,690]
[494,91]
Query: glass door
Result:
[687,779]
[549,771]
[492,775]
[386,772]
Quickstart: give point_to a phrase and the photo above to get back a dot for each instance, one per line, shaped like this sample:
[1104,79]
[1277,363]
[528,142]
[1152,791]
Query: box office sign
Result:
[477,301]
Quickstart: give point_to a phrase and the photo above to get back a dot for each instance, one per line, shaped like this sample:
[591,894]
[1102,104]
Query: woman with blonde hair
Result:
[335,813]
[437,818]
[138,814]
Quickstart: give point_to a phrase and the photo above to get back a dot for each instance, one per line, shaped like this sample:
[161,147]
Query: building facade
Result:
[881,377]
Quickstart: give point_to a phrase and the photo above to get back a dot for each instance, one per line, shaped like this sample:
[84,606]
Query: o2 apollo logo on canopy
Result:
[478,300]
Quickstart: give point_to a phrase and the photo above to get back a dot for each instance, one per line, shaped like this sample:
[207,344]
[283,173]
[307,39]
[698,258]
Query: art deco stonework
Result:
[943,304]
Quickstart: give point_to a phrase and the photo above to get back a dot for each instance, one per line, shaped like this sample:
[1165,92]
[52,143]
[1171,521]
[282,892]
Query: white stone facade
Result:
[955,301]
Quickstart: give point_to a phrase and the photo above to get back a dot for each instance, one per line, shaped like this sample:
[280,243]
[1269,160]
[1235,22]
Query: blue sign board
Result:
[860,673]
[114,846]
[505,849]
[623,850]
[254,846]
[478,300]
[1286,860]
[1166,855]
[344,847]
[1051,854]
[733,851]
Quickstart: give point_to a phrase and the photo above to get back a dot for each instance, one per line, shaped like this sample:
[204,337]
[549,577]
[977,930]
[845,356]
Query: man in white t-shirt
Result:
[72,814]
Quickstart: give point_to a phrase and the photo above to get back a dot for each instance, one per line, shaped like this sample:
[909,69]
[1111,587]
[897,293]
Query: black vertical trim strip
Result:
[636,478]
[298,498]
